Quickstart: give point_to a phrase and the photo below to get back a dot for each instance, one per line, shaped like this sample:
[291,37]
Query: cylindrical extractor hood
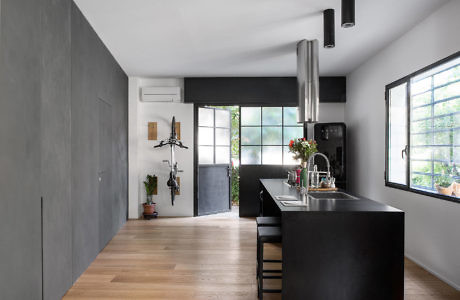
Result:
[307,81]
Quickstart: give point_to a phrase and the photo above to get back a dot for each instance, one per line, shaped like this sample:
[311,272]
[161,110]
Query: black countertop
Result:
[276,187]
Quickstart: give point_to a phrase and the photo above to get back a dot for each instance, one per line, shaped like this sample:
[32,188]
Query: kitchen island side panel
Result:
[343,255]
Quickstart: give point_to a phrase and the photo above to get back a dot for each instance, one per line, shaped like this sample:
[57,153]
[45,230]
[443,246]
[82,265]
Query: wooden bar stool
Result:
[266,234]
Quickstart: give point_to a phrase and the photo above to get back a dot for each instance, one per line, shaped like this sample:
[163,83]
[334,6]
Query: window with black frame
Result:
[423,131]
[265,135]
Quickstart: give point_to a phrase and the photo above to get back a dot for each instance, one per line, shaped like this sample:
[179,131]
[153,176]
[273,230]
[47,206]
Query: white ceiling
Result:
[179,38]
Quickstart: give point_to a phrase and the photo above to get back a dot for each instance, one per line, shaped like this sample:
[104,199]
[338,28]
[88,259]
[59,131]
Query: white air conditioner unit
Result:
[161,94]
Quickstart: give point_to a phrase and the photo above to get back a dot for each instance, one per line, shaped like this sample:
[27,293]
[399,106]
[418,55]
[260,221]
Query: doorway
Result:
[216,159]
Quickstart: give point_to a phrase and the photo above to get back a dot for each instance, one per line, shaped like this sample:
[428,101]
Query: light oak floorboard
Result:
[210,257]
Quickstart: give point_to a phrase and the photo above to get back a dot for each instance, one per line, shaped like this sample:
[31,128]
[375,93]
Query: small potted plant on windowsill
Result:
[444,185]
[150,186]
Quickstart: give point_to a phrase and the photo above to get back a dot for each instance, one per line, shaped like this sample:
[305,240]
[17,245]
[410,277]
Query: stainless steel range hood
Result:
[307,81]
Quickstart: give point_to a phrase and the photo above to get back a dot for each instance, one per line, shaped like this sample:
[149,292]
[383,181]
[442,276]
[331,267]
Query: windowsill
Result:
[422,192]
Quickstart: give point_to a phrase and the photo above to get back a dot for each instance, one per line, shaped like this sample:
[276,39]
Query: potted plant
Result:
[150,186]
[444,185]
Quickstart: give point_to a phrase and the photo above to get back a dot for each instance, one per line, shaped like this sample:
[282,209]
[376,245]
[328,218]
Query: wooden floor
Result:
[209,257]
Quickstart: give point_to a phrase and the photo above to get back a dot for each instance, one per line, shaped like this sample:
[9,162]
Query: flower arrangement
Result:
[302,148]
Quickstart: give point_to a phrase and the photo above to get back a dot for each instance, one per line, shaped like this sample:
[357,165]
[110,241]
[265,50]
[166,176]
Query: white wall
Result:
[432,225]
[144,159]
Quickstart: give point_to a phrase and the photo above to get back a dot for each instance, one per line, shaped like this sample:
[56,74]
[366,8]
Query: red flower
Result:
[291,143]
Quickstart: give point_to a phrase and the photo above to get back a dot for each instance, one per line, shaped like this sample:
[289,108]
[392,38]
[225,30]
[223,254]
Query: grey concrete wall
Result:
[54,74]
[96,77]
[20,217]
[55,147]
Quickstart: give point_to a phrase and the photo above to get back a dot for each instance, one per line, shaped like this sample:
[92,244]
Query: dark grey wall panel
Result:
[99,208]
[257,90]
[55,146]
[20,217]
[54,71]
[85,207]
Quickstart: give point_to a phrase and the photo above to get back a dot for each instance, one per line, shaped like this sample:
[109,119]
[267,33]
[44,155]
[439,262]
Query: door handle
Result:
[404,151]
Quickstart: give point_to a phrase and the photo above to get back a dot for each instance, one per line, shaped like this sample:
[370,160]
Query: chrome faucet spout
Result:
[308,168]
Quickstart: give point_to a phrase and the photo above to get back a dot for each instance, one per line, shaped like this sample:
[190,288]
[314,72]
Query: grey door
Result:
[214,160]
[106,199]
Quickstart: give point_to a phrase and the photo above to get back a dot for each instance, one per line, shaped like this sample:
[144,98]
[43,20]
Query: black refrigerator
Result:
[331,140]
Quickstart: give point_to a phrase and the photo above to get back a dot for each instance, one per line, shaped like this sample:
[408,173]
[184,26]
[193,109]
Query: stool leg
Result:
[260,271]
[257,268]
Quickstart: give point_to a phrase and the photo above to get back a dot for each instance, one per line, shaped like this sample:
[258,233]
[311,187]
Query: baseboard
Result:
[449,282]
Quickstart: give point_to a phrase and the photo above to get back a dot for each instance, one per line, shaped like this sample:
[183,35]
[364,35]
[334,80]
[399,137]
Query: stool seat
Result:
[269,234]
[268,221]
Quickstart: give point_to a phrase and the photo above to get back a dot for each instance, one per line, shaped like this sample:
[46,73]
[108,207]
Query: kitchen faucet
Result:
[303,190]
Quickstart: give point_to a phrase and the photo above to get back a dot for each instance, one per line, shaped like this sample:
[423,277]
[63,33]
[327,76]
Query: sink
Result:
[331,195]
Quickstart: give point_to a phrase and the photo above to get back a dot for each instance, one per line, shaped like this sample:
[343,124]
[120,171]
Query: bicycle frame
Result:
[173,142]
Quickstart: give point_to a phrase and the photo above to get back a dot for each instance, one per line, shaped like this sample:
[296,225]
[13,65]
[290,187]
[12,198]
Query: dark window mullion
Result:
[432,130]
[408,112]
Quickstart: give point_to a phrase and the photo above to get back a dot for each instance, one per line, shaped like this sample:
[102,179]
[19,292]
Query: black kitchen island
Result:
[338,249]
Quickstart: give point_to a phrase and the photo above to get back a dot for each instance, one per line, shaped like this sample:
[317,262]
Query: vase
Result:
[303,175]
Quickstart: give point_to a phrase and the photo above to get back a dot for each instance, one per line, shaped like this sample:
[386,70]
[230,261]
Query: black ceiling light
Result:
[329,28]
[348,13]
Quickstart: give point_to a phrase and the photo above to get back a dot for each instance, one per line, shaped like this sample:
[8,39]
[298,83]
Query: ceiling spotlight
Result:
[329,28]
[348,13]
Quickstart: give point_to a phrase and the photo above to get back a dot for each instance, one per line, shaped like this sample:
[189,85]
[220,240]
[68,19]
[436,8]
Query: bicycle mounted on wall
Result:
[173,142]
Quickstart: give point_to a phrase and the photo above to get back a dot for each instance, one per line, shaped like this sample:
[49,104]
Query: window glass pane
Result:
[290,115]
[205,136]
[447,122]
[250,116]
[421,139]
[443,138]
[421,99]
[205,117]
[420,153]
[442,153]
[250,155]
[447,91]
[421,112]
[421,166]
[422,181]
[222,118]
[449,75]
[447,107]
[420,86]
[222,137]
[206,155]
[222,155]
[288,157]
[421,126]
[291,133]
[397,165]
[272,155]
[250,136]
[456,153]
[271,135]
[272,116]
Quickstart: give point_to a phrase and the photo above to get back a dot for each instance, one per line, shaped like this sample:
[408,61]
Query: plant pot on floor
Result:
[149,209]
